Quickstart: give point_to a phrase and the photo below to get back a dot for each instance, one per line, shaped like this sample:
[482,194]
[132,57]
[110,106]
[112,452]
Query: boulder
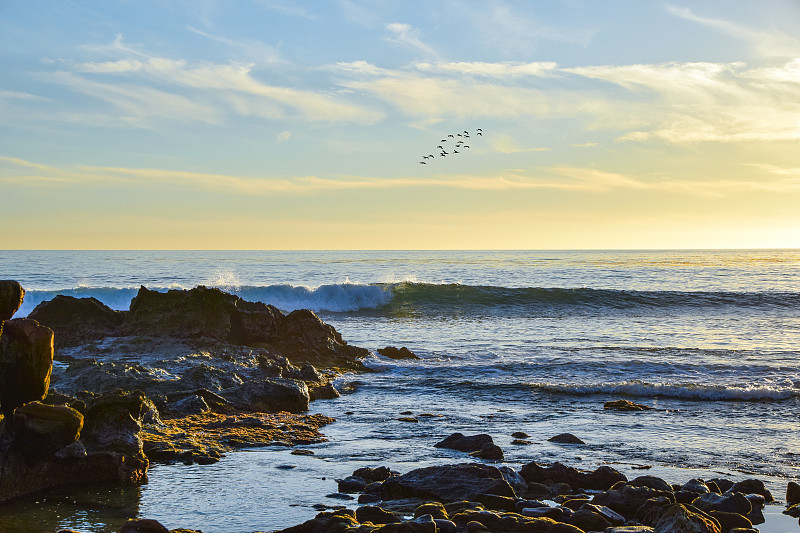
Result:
[26,361]
[376,515]
[651,511]
[650,481]
[77,321]
[728,521]
[448,483]
[697,486]
[600,479]
[463,443]
[270,395]
[752,486]
[627,499]
[679,518]
[397,353]
[143,525]
[566,438]
[625,405]
[792,493]
[253,322]
[40,430]
[588,520]
[11,296]
[727,503]
[113,422]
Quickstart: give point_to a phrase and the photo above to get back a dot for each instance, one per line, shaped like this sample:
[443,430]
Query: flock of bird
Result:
[459,143]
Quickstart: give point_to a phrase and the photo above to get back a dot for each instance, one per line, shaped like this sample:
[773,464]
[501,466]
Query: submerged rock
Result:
[397,353]
[625,405]
[566,438]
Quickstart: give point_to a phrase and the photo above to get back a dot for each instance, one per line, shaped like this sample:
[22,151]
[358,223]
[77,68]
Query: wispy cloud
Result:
[767,43]
[252,50]
[490,70]
[406,35]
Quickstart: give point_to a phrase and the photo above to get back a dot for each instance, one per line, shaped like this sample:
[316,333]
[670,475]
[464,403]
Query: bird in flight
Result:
[459,144]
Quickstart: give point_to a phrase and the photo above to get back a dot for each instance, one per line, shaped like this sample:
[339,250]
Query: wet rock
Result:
[752,486]
[77,320]
[520,435]
[41,430]
[11,297]
[397,353]
[448,483]
[611,515]
[498,503]
[728,521]
[756,515]
[491,452]
[26,361]
[600,479]
[190,405]
[376,515]
[627,499]
[629,529]
[143,525]
[650,512]
[113,422]
[514,479]
[697,486]
[253,322]
[435,509]
[728,503]
[625,405]
[650,481]
[462,443]
[792,493]
[680,519]
[351,484]
[270,395]
[722,483]
[371,475]
[566,438]
[588,520]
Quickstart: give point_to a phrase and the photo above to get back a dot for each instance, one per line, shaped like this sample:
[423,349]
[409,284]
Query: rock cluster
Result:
[44,445]
[472,497]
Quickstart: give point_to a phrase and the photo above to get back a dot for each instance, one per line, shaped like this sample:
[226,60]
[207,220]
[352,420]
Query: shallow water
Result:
[510,341]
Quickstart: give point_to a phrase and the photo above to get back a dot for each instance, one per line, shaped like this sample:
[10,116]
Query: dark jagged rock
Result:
[627,499]
[77,320]
[566,438]
[650,481]
[448,483]
[143,525]
[397,353]
[600,479]
[625,405]
[728,503]
[371,475]
[752,486]
[11,296]
[697,486]
[113,422]
[253,322]
[651,511]
[728,521]
[792,493]
[463,443]
[26,361]
[41,430]
[270,395]
[679,518]
[588,520]
[376,515]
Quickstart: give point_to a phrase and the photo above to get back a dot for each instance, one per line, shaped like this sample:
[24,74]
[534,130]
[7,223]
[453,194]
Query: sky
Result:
[272,124]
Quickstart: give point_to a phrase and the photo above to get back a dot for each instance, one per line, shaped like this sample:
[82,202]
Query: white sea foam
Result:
[688,391]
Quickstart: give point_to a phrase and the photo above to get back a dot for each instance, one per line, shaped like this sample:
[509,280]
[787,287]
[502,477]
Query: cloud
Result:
[252,50]
[287,8]
[490,70]
[505,144]
[284,136]
[767,43]
[405,34]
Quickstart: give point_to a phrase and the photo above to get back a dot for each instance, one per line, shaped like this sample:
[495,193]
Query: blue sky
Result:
[274,124]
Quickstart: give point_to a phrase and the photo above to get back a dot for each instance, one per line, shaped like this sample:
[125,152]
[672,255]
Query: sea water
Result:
[533,341]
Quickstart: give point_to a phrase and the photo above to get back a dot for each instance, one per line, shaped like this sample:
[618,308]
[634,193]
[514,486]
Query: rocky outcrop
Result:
[679,518]
[270,395]
[602,478]
[448,483]
[26,361]
[77,321]
[397,353]
[11,296]
[625,405]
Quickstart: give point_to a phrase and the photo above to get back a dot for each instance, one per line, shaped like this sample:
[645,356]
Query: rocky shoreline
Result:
[89,394]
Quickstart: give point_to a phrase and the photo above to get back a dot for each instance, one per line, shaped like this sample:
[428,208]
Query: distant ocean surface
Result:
[532,341]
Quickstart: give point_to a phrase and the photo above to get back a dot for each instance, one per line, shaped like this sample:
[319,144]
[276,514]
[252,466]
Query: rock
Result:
[793,511]
[650,481]
[498,503]
[728,503]
[143,525]
[600,479]
[270,395]
[41,430]
[376,515]
[113,422]
[11,296]
[520,435]
[680,519]
[448,483]
[792,493]
[611,515]
[650,512]
[26,361]
[422,524]
[190,405]
[625,405]
[514,479]
[303,337]
[752,486]
[351,484]
[566,438]
[435,509]
[728,521]
[629,529]
[253,322]
[77,320]
[627,499]
[462,443]
[76,450]
[397,353]
[588,520]
[722,484]
[697,486]
[756,516]
[371,475]
[491,452]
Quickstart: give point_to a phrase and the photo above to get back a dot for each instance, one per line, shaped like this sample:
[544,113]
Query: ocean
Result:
[533,341]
